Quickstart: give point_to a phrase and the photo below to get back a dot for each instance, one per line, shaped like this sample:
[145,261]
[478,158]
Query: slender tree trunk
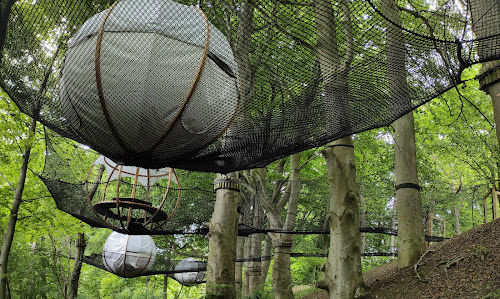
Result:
[411,235]
[325,240]
[165,286]
[11,226]
[456,211]
[282,276]
[77,267]
[246,255]
[394,228]
[362,223]
[266,258]
[223,232]
[254,270]
[238,278]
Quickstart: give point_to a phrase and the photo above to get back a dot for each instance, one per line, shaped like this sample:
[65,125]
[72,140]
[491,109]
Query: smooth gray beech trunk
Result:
[362,223]
[494,91]
[254,269]
[223,232]
[282,243]
[273,205]
[266,258]
[246,253]
[392,248]
[343,272]
[16,203]
[238,278]
[253,244]
[411,233]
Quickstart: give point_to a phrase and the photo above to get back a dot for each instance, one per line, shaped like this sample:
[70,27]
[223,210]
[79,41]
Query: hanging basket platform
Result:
[104,208]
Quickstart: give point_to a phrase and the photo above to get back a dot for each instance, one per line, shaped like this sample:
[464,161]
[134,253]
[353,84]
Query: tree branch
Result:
[8,182]
[298,40]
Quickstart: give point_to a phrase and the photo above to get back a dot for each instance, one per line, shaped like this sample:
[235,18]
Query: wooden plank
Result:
[429,226]
[485,198]
[495,203]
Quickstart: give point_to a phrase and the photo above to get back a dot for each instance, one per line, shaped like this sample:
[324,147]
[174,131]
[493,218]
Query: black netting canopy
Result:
[227,85]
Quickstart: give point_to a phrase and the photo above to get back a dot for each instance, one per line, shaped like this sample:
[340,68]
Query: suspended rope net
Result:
[67,179]
[222,85]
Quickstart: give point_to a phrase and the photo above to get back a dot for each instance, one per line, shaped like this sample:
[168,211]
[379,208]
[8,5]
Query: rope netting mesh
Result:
[234,84]
[67,165]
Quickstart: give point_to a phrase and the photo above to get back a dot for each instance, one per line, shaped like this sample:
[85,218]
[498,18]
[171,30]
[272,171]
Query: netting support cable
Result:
[344,145]
[408,185]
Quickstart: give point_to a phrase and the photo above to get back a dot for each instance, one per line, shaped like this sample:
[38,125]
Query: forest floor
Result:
[465,266]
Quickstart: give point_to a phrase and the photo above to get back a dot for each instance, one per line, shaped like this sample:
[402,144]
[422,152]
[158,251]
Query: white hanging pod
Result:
[128,255]
[189,278]
[149,81]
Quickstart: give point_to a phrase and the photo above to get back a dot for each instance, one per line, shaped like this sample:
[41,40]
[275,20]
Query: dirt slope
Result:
[466,266]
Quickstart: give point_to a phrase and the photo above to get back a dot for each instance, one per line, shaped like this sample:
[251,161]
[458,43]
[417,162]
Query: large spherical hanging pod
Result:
[147,82]
[128,256]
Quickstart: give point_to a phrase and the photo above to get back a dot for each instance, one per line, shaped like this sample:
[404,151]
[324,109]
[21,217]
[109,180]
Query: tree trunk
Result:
[266,258]
[246,254]
[11,226]
[343,272]
[254,270]
[411,235]
[77,267]
[362,223]
[394,228]
[238,278]
[282,276]
[343,269]
[494,91]
[456,211]
[165,286]
[223,232]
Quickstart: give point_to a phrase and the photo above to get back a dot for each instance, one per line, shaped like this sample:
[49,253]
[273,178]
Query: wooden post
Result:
[429,227]
[485,199]
[444,228]
[495,202]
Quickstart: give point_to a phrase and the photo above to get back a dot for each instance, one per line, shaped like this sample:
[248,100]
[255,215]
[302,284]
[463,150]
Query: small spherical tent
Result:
[128,255]
[149,81]
[195,275]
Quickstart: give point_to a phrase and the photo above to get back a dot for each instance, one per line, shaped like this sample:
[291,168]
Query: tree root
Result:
[418,262]
[453,261]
